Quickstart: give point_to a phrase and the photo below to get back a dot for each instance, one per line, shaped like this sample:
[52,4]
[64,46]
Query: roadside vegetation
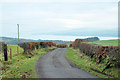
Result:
[22,66]
[113,42]
[84,62]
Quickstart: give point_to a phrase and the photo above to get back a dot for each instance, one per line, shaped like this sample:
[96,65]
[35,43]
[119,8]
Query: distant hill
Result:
[14,41]
[92,39]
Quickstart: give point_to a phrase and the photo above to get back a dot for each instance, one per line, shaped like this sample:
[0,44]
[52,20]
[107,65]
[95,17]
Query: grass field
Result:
[107,42]
[85,63]
[14,50]
[22,66]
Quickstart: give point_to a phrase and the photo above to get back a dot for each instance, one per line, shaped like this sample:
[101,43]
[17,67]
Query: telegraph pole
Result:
[18,40]
[18,33]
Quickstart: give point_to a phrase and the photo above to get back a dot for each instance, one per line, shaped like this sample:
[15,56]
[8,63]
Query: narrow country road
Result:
[55,65]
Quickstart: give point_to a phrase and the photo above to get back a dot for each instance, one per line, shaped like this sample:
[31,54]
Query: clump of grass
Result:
[86,63]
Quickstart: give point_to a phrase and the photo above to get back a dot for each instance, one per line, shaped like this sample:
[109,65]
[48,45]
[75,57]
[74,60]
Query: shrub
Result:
[62,46]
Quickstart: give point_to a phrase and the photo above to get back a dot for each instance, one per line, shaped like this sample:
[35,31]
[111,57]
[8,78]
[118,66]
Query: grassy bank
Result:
[107,42]
[22,66]
[84,62]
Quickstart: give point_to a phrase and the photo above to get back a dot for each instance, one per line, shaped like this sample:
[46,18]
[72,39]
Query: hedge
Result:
[62,46]
[99,52]
[29,46]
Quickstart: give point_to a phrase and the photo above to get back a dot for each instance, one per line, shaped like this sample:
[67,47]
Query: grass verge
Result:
[84,62]
[22,66]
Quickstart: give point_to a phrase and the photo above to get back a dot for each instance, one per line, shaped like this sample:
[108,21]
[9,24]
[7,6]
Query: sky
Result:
[58,17]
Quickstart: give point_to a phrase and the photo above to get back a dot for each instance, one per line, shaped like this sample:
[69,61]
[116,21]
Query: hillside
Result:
[14,41]
[92,39]
[113,42]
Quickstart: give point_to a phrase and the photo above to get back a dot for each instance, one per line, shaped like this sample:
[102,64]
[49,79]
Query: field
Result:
[22,66]
[107,42]
[14,50]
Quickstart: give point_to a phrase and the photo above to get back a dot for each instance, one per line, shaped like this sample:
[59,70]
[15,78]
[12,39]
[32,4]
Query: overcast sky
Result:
[49,16]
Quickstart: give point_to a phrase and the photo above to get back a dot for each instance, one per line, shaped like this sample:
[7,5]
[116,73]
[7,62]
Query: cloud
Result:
[0,21]
[113,9]
[51,1]
[71,23]
[98,20]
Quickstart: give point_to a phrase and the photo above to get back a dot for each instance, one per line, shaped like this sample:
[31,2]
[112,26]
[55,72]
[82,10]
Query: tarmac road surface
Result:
[55,65]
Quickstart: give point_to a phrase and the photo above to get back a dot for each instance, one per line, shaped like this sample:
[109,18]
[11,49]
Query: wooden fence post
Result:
[17,50]
[10,53]
[5,52]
